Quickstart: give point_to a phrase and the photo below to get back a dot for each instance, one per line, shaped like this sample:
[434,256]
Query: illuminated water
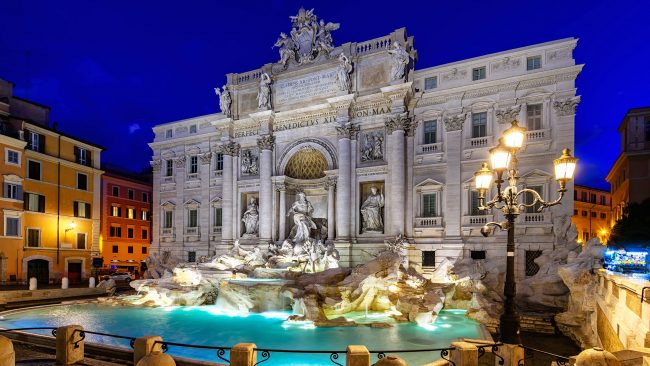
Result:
[204,325]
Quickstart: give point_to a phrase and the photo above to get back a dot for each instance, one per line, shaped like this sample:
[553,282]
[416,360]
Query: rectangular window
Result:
[131,194]
[129,249]
[431,83]
[603,216]
[130,213]
[144,250]
[35,142]
[592,198]
[34,170]
[145,197]
[534,116]
[529,198]
[81,240]
[129,232]
[191,257]
[479,124]
[218,162]
[115,232]
[33,238]
[531,267]
[116,249]
[145,234]
[116,211]
[584,213]
[34,202]
[144,215]
[575,212]
[82,209]
[192,218]
[169,219]
[430,132]
[603,200]
[428,258]
[429,205]
[474,204]
[647,128]
[12,226]
[217,217]
[593,214]
[477,254]
[193,129]
[533,63]
[116,191]
[169,134]
[478,73]
[82,181]
[194,164]
[583,196]
[11,191]
[82,156]
[13,157]
[169,168]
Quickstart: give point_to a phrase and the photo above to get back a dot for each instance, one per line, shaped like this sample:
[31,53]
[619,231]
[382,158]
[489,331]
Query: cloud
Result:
[133,127]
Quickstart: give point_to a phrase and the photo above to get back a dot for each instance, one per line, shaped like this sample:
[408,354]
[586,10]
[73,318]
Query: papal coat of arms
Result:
[308,39]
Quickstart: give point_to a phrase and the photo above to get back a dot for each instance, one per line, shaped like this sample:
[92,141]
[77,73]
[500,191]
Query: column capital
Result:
[566,107]
[411,127]
[454,122]
[397,122]
[155,165]
[266,142]
[507,115]
[349,131]
[230,148]
[331,182]
[281,187]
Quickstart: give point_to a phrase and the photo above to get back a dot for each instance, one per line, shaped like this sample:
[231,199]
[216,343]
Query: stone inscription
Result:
[320,84]
[371,111]
[289,125]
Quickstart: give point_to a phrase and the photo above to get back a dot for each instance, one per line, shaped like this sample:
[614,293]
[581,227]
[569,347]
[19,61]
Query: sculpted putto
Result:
[225,100]
[264,92]
[343,73]
[371,212]
[400,58]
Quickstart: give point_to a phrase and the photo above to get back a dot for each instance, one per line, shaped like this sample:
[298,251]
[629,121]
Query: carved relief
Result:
[372,146]
[347,131]
[266,142]
[506,64]
[454,75]
[557,55]
[249,162]
[566,107]
[454,122]
[507,115]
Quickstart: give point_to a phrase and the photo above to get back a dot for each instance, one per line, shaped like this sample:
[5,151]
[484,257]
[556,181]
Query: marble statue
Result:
[308,39]
[400,58]
[287,49]
[343,73]
[225,100]
[301,210]
[372,147]
[264,92]
[331,257]
[249,163]
[371,212]
[251,219]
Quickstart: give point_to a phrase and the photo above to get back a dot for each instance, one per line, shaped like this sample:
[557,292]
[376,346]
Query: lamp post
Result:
[503,158]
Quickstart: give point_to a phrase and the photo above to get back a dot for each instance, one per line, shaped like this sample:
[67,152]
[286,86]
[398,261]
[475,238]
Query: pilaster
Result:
[453,149]
[266,144]
[229,149]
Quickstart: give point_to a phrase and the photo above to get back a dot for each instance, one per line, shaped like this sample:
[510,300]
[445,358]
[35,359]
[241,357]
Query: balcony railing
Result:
[428,221]
[478,142]
[476,220]
[216,229]
[168,179]
[192,230]
[537,135]
[168,231]
[193,176]
[217,173]
[429,148]
[536,217]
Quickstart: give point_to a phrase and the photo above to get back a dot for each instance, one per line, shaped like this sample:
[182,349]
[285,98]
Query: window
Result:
[194,164]
[116,249]
[12,157]
[145,234]
[129,249]
[144,250]
[431,83]
[12,226]
[130,213]
[34,202]
[169,169]
[575,212]
[474,204]
[81,240]
[145,197]
[603,200]
[168,222]
[129,233]
[592,198]
[35,142]
[217,217]
[583,196]
[477,254]
[575,195]
[218,162]
[192,217]
[82,156]
[131,194]
[529,198]
[593,214]
[116,211]
[533,63]
[191,257]
[429,205]
[193,129]
[82,209]
[428,258]
[603,216]
[534,116]
[116,191]
[169,134]
[430,132]
[144,215]
[82,181]
[531,267]
[13,191]
[584,213]
[116,232]
[478,73]
[647,128]
[33,238]
[479,124]
[34,170]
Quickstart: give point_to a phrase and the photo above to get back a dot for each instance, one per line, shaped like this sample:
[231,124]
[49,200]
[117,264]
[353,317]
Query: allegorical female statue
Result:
[371,212]
[343,73]
[400,58]
[264,92]
[251,219]
[225,100]
[301,211]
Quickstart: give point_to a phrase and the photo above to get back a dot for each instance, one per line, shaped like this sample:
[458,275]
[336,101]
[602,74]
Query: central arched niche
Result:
[307,163]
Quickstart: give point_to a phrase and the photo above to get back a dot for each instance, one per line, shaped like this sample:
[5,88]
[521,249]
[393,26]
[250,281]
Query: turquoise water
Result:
[205,325]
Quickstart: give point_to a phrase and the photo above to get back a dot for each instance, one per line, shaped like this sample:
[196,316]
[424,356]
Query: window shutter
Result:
[41,143]
[19,192]
[26,202]
[5,190]
[28,138]
[89,158]
[41,203]
[119,212]
[76,209]
[76,154]
[87,210]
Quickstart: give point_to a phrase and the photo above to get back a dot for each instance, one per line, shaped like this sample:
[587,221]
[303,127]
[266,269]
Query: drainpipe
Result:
[58,203]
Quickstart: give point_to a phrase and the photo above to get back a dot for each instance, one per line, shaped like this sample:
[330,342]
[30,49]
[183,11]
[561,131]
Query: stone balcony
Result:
[428,222]
[479,142]
[435,148]
[476,220]
[167,179]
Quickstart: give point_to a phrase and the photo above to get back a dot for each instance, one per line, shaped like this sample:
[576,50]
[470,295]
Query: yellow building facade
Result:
[592,213]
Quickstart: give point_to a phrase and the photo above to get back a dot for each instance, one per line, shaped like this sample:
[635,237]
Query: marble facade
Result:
[417,136]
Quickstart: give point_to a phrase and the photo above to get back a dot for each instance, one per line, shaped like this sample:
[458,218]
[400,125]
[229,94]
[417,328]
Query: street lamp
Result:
[503,158]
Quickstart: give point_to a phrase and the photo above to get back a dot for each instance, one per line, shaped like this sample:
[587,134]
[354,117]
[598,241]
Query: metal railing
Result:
[221,351]
[444,353]
[494,348]
[82,336]
[266,354]
[529,353]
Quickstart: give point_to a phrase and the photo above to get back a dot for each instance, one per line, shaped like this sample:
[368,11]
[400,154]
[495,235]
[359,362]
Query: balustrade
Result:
[478,142]
[429,148]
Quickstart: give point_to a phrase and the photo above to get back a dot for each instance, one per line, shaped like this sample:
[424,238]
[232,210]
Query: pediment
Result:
[537,173]
[168,154]
[192,203]
[12,178]
[429,182]
[168,204]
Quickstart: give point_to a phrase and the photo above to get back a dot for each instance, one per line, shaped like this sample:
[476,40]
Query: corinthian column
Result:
[331,184]
[229,149]
[343,196]
[410,151]
[395,127]
[266,143]
[282,215]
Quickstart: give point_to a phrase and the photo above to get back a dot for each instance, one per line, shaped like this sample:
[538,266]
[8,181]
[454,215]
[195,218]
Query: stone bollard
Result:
[67,353]
[156,359]
[464,354]
[511,354]
[143,346]
[33,284]
[65,283]
[391,360]
[91,282]
[7,353]
[596,357]
[243,354]
[357,356]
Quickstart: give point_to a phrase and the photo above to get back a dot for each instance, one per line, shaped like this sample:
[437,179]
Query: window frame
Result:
[537,119]
[479,122]
[16,217]
[434,80]
[535,65]
[78,181]
[169,168]
[427,134]
[11,187]
[479,73]
[18,162]
[85,241]
[27,237]
[423,212]
[40,170]
[218,164]
[169,133]
[114,190]
[190,212]
[193,164]
[168,214]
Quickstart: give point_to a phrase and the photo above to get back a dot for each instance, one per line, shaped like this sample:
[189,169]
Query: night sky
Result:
[111,70]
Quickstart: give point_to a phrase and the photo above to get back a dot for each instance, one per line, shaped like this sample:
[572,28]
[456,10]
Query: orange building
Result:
[126,220]
[591,213]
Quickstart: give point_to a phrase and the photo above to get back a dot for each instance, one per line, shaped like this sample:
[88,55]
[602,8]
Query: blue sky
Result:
[112,70]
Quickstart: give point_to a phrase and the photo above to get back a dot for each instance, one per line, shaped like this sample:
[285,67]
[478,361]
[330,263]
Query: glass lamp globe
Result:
[483,177]
[514,136]
[565,166]
[500,157]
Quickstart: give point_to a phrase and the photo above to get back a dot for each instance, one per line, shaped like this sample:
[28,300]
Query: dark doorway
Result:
[74,273]
[39,268]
